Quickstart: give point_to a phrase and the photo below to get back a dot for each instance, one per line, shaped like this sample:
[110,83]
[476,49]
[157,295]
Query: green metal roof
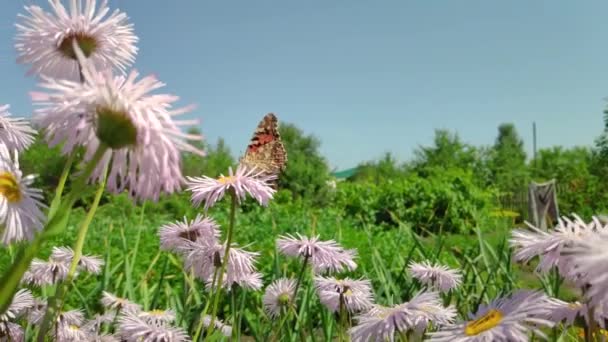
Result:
[344,173]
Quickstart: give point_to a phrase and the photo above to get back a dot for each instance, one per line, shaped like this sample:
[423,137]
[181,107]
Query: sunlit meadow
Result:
[118,223]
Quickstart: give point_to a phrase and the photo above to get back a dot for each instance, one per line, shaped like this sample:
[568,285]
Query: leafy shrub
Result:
[445,201]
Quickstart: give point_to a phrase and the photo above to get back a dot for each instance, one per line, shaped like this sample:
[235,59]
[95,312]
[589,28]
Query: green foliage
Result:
[508,161]
[384,169]
[443,201]
[216,161]
[448,152]
[579,190]
[307,171]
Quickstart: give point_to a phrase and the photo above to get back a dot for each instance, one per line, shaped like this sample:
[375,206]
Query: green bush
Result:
[445,201]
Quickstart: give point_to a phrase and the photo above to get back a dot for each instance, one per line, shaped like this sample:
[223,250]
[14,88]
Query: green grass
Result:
[126,236]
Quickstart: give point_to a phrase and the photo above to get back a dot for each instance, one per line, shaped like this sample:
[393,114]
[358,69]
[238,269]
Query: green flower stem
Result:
[56,302]
[11,278]
[199,328]
[298,283]
[343,324]
[61,185]
[224,262]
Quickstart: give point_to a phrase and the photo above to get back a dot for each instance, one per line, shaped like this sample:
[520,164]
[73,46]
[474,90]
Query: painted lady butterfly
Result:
[266,151]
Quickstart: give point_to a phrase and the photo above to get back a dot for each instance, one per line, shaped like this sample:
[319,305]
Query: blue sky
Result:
[367,77]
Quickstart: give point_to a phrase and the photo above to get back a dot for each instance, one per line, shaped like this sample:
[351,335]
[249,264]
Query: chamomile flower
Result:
[20,204]
[323,255]
[242,182]
[505,319]
[45,39]
[355,295]
[436,276]
[279,296]
[15,133]
[142,140]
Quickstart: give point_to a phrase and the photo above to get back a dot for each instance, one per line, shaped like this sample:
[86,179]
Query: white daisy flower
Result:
[509,319]
[323,255]
[15,133]
[138,128]
[279,296]
[20,205]
[21,303]
[436,276]
[45,40]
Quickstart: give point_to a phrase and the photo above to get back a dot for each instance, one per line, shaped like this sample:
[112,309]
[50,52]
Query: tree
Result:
[508,161]
[447,152]
[307,171]
[379,171]
[217,158]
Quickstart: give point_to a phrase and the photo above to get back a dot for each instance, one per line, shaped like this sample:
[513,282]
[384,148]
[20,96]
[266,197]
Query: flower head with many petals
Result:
[382,323]
[242,182]
[15,133]
[355,295]
[323,255]
[45,39]
[437,276]
[20,205]
[505,319]
[279,296]
[144,141]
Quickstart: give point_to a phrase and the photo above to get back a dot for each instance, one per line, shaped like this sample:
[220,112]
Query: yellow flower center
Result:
[9,187]
[157,312]
[485,322]
[115,128]
[225,180]
[87,44]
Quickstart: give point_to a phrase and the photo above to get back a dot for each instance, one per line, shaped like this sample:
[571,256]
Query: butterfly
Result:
[266,151]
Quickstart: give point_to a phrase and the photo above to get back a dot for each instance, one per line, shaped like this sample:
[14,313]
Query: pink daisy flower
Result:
[355,295]
[511,318]
[382,323]
[15,133]
[550,246]
[20,204]
[133,328]
[174,235]
[88,263]
[279,296]
[144,140]
[45,40]
[323,255]
[436,276]
[204,257]
[244,181]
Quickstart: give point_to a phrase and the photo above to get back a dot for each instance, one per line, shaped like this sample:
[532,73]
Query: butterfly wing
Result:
[266,151]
